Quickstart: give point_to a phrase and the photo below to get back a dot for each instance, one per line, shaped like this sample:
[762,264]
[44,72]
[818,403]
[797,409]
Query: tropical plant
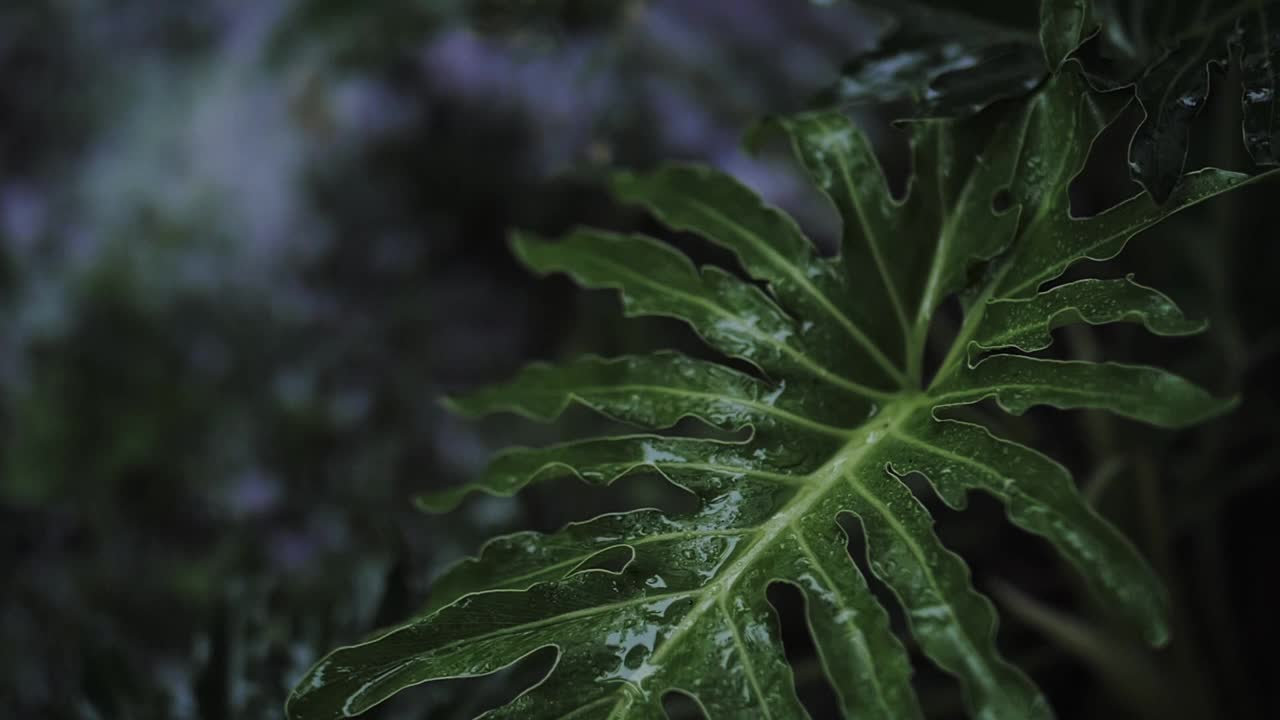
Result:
[826,402]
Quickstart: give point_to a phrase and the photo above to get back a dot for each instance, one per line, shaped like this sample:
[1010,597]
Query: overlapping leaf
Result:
[947,77]
[838,409]
[1169,52]
[955,59]
[951,59]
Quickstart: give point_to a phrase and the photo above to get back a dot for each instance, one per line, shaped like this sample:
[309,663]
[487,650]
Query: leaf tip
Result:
[760,132]
[624,184]
[1203,410]
[525,246]
[519,240]
[459,404]
[438,503]
[1157,633]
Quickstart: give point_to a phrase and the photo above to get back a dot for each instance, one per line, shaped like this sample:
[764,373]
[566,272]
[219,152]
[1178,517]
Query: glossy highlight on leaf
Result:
[954,59]
[939,78]
[832,409]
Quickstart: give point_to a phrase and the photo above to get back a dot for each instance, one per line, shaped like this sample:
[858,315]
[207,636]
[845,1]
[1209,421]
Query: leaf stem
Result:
[960,345]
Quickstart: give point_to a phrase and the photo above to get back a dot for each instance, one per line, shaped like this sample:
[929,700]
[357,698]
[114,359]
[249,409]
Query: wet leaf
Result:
[830,383]
[953,59]
[938,77]
[1169,53]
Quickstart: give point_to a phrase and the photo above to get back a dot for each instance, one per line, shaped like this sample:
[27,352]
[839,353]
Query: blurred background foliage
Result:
[245,245]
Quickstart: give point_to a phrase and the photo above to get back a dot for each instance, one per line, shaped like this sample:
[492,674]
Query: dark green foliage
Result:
[840,405]
[955,59]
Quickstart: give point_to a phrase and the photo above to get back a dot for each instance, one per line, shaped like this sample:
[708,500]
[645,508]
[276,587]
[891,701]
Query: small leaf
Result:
[1027,323]
[1019,383]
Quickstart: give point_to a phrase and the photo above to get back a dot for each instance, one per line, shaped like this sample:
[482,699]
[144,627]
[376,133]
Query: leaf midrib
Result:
[839,468]
[516,581]
[620,468]
[918,552]
[762,408]
[877,255]
[831,473]
[977,394]
[799,357]
[746,656]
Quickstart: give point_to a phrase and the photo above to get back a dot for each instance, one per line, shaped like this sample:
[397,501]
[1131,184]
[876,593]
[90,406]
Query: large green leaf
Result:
[831,383]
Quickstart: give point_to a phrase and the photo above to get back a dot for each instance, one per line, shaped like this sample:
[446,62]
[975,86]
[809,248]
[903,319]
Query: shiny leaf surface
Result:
[944,77]
[833,409]
[953,59]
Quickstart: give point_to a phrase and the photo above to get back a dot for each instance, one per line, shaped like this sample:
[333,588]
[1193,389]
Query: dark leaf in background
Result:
[940,78]
[951,60]
[1172,92]
[1260,65]
[1169,53]
[947,59]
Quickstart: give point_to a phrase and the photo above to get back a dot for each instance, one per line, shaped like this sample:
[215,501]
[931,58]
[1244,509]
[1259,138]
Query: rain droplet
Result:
[1258,96]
